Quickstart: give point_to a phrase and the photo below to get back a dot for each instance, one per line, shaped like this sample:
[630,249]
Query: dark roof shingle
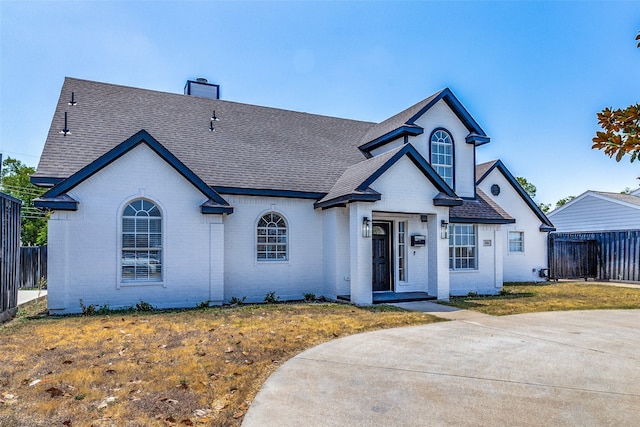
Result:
[251,147]
[627,198]
[481,210]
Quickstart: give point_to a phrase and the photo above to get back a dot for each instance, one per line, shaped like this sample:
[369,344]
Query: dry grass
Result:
[529,298]
[198,367]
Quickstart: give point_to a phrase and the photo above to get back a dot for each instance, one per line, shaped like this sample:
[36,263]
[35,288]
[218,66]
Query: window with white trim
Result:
[272,238]
[402,256]
[141,242]
[462,247]
[516,241]
[442,155]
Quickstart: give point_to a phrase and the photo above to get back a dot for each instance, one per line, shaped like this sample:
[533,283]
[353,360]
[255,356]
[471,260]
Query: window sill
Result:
[467,270]
[138,283]
[270,262]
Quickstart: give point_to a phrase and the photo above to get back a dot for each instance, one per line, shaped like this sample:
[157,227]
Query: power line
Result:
[19,154]
[22,189]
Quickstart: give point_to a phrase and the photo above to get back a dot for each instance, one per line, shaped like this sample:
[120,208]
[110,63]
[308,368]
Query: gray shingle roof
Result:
[357,174]
[480,210]
[627,198]
[252,146]
[396,121]
[482,169]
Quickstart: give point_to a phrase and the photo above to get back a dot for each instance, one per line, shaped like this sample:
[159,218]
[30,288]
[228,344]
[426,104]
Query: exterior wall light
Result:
[444,229]
[366,227]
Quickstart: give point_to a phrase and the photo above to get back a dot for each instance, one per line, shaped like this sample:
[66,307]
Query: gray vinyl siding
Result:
[595,214]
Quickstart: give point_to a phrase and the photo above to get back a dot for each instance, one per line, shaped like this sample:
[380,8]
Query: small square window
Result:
[516,241]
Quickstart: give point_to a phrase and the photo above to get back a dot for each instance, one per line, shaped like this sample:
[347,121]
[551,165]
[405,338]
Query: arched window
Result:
[272,239]
[141,241]
[442,155]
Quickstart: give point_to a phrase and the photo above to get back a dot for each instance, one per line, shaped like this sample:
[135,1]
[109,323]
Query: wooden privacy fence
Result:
[33,266]
[9,255]
[608,255]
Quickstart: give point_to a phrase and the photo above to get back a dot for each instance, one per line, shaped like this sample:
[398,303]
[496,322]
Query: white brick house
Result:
[179,199]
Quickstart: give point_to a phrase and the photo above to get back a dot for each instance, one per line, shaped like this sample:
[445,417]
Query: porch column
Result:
[360,254]
[438,255]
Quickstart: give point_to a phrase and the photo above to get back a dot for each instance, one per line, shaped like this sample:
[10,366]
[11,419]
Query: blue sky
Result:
[533,74]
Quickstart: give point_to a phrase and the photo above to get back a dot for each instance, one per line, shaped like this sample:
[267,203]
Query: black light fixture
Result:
[211,128]
[214,118]
[444,229]
[65,131]
[366,227]
[73,101]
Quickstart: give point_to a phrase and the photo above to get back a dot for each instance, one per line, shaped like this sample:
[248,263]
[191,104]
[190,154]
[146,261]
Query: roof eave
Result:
[45,181]
[347,198]
[406,130]
[217,210]
[463,220]
[64,203]
[443,200]
[477,140]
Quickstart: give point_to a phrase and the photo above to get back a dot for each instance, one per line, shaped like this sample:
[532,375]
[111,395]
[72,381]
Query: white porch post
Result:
[360,254]
[438,255]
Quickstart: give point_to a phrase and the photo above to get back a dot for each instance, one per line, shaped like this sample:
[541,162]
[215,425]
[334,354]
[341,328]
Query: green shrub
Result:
[104,309]
[203,305]
[310,297]
[87,310]
[271,298]
[237,301]
[144,306]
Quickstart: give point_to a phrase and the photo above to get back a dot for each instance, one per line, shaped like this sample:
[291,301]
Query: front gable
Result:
[501,186]
[403,187]
[57,198]
[405,123]
[356,182]
[417,125]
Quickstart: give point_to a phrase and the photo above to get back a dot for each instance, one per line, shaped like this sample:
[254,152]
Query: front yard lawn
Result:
[196,367]
[551,296]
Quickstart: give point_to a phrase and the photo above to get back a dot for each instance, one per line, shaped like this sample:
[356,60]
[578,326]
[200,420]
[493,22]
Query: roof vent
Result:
[201,87]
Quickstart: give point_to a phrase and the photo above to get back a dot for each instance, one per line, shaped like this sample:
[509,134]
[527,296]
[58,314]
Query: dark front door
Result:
[381,256]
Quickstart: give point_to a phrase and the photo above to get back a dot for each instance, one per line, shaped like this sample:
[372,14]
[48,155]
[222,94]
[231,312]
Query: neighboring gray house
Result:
[178,199]
[598,236]
[598,211]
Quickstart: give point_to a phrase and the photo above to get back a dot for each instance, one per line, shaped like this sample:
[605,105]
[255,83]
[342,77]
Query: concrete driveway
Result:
[578,368]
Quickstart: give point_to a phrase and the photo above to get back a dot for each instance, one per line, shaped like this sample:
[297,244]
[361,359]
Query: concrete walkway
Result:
[575,368]
[444,311]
